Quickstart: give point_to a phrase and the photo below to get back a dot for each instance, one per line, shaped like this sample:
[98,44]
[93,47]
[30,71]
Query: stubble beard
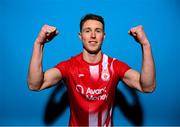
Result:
[93,51]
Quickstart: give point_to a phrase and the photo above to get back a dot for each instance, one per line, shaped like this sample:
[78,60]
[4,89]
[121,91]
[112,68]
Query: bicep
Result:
[51,77]
[132,79]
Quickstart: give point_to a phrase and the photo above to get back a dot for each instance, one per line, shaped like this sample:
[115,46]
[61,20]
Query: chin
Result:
[92,50]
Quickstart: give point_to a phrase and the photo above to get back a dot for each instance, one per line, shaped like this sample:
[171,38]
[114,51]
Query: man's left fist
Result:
[138,34]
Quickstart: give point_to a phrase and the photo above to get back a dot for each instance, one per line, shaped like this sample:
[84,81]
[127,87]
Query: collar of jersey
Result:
[81,54]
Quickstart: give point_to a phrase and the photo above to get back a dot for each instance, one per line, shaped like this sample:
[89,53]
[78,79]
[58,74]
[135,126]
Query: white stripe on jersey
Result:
[105,62]
[93,119]
[110,113]
[104,116]
[94,71]
[111,67]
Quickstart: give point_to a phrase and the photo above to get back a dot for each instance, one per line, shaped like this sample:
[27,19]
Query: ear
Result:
[80,35]
[104,34]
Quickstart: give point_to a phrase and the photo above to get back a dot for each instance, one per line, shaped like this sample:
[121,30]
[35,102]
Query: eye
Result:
[99,31]
[86,31]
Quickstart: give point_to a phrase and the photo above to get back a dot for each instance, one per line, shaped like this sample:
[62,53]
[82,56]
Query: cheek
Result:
[101,38]
[84,38]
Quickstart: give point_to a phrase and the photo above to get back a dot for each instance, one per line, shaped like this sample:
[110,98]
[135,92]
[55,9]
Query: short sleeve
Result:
[120,68]
[62,67]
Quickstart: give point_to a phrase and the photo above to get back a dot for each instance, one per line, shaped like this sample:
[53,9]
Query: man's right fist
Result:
[46,34]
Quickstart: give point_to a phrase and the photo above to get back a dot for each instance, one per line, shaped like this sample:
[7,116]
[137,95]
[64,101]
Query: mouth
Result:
[93,42]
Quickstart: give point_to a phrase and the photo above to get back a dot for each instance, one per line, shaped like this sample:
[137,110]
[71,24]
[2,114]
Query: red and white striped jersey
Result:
[91,89]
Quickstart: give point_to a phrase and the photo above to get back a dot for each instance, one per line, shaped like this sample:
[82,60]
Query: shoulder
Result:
[118,65]
[107,58]
[113,60]
[68,65]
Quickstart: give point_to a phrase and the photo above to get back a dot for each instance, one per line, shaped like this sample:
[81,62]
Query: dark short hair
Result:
[91,17]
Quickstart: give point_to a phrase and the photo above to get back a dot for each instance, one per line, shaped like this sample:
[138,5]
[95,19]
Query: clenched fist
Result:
[46,34]
[138,34]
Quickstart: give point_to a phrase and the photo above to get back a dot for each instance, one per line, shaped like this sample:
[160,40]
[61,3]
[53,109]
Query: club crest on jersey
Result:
[105,76]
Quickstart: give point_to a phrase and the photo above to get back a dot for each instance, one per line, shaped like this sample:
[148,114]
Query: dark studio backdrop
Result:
[21,20]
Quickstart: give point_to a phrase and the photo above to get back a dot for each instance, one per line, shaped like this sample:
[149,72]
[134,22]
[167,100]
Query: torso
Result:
[91,89]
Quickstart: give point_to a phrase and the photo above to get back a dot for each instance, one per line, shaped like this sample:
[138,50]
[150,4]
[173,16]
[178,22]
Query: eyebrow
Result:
[90,28]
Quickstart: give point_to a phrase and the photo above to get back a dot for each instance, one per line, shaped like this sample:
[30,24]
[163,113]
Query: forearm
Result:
[35,74]
[36,77]
[147,76]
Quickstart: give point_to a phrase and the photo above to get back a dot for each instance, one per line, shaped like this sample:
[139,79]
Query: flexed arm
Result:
[37,79]
[145,80]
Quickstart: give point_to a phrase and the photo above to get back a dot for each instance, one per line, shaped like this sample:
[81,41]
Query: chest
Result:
[91,84]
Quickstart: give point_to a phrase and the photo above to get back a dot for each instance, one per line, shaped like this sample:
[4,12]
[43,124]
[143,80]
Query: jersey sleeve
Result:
[62,67]
[120,68]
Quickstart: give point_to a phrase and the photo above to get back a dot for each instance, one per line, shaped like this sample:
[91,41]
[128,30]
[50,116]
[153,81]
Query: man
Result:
[91,76]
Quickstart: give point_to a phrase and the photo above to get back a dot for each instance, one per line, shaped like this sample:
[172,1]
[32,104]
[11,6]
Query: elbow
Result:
[149,88]
[33,86]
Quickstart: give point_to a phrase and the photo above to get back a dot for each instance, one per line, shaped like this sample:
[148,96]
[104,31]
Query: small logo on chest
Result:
[105,76]
[80,75]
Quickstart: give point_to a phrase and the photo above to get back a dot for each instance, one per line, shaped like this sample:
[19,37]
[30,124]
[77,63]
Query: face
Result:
[92,36]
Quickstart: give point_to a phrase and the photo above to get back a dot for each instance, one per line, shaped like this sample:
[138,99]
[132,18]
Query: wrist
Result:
[39,41]
[146,47]
[145,43]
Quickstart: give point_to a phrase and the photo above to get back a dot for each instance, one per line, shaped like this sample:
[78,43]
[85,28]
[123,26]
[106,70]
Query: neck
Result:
[92,58]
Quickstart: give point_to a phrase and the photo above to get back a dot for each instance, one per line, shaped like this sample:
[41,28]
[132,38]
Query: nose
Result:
[93,35]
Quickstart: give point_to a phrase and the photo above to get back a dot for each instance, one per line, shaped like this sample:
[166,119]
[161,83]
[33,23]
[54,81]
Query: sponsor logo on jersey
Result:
[80,89]
[92,94]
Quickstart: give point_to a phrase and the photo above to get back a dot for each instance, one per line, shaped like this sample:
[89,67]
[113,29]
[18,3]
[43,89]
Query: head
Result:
[92,33]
